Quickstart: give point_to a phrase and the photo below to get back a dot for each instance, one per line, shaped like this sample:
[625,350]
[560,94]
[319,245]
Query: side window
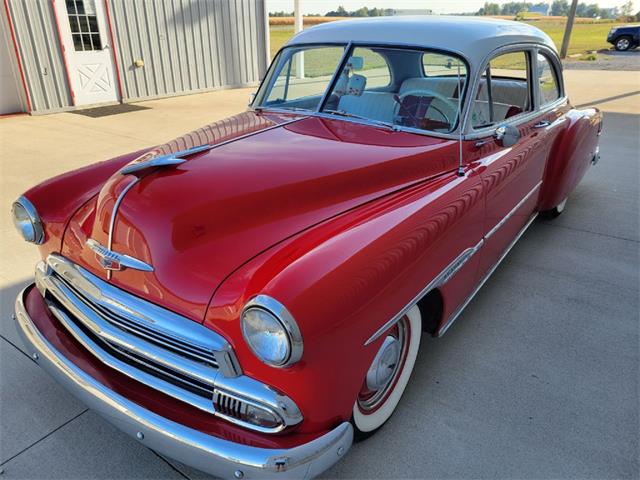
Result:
[547,81]
[372,66]
[504,90]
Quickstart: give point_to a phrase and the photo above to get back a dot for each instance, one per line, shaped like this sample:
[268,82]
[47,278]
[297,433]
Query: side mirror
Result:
[507,135]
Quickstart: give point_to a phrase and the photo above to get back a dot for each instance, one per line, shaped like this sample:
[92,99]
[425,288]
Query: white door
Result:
[83,29]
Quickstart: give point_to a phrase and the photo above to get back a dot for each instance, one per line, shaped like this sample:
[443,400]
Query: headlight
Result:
[271,332]
[27,221]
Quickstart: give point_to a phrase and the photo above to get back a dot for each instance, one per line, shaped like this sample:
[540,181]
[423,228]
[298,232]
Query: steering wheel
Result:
[453,107]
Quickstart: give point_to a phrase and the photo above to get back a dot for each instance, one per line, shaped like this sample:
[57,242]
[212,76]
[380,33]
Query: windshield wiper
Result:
[378,123]
[277,108]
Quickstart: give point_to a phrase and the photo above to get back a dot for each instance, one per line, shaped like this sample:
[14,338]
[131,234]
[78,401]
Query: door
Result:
[83,29]
[512,177]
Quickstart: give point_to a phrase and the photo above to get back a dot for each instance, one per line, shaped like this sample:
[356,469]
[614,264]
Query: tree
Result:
[489,9]
[604,13]
[560,8]
[626,9]
[592,11]
[340,12]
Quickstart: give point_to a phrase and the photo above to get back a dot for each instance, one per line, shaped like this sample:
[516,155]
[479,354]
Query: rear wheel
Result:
[556,211]
[388,375]
[623,43]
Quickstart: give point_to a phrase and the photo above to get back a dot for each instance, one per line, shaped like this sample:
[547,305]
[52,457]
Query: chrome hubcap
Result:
[385,368]
[381,370]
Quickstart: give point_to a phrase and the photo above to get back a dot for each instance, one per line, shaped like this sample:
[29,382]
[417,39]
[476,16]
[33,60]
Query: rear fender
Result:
[571,154]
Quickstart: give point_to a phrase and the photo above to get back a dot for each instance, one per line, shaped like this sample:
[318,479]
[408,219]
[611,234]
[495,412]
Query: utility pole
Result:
[297,23]
[568,28]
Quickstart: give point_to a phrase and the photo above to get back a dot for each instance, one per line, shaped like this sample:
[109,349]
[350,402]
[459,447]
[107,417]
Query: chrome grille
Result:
[162,339]
[159,348]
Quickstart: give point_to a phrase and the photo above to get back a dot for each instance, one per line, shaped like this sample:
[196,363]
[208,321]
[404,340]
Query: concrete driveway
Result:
[537,379]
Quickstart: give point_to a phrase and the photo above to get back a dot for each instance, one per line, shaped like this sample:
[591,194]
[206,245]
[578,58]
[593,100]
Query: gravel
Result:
[606,60]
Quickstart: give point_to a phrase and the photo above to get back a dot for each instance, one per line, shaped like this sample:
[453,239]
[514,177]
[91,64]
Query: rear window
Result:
[547,81]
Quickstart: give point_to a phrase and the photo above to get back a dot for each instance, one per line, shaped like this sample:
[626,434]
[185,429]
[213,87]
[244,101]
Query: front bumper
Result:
[210,454]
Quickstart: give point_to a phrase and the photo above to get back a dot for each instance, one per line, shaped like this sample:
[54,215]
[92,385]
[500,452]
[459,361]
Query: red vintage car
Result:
[250,297]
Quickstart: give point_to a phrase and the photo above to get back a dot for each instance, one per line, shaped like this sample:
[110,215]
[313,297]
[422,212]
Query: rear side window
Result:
[547,81]
[372,66]
[504,90]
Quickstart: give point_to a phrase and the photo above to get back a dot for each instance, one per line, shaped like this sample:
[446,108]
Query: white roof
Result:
[473,37]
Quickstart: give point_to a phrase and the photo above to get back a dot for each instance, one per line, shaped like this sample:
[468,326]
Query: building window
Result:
[84,25]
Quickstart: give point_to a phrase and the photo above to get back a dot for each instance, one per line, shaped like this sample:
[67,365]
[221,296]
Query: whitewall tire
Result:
[382,391]
[556,211]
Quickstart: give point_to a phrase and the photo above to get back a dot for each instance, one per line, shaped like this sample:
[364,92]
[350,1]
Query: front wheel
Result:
[388,375]
[623,44]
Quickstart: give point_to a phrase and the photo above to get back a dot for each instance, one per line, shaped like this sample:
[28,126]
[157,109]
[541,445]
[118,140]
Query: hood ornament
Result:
[114,261]
[167,160]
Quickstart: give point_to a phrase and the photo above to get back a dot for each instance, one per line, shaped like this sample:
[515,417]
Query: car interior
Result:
[416,89]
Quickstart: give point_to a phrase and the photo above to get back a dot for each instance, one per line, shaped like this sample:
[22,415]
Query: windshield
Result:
[396,87]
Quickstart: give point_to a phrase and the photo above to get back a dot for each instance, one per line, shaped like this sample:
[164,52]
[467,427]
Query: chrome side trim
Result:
[506,218]
[460,309]
[443,277]
[451,269]
[210,454]
[110,260]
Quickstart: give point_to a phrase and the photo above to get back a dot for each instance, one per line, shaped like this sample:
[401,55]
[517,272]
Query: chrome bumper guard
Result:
[210,454]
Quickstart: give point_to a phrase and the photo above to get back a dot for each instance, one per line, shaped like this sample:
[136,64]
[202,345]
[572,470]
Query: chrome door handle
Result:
[542,124]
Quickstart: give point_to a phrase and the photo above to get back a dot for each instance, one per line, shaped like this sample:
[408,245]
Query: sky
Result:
[438,6]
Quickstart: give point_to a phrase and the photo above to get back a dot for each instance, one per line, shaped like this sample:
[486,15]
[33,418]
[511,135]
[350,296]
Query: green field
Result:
[585,36]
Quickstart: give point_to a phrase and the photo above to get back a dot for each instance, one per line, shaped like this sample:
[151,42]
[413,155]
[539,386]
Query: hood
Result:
[269,179]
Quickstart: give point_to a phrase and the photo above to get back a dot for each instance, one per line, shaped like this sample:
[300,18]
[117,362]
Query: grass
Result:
[584,38]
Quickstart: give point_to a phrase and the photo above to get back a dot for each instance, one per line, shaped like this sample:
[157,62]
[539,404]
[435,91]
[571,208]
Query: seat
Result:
[445,86]
[375,105]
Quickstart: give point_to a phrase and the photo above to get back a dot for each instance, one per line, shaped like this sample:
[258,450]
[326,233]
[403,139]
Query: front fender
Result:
[344,279]
[58,198]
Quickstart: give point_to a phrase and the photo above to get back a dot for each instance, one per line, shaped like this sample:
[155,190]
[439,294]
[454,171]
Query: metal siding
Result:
[188,45]
[40,52]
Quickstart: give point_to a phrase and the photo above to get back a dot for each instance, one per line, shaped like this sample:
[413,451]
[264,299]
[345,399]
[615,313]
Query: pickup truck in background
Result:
[624,38]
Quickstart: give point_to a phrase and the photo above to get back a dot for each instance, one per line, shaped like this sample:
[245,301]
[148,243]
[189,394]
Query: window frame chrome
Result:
[349,46]
[525,117]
